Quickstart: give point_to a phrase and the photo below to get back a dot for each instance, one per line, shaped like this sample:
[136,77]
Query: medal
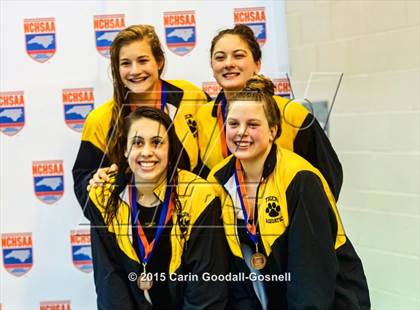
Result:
[144,281]
[143,284]
[258,260]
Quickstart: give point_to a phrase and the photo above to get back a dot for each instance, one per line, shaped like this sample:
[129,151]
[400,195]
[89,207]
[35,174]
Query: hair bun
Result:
[244,29]
[260,83]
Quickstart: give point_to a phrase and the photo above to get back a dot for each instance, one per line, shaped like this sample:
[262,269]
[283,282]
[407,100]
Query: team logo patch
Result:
[282,87]
[273,210]
[184,222]
[180,31]
[78,103]
[211,88]
[48,180]
[106,29]
[192,124]
[12,112]
[55,305]
[255,19]
[40,38]
[17,253]
[81,250]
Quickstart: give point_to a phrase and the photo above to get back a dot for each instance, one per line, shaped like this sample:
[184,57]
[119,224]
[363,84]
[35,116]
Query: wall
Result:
[374,128]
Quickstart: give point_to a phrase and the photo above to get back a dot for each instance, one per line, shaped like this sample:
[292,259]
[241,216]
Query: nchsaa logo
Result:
[48,180]
[40,38]
[81,250]
[106,29]
[78,102]
[12,112]
[255,19]
[55,305]
[282,87]
[180,31]
[17,253]
[211,88]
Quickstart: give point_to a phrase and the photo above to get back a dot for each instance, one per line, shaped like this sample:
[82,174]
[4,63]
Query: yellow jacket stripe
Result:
[285,165]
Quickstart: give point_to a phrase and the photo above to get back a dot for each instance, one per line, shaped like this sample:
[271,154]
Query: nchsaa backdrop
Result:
[54,70]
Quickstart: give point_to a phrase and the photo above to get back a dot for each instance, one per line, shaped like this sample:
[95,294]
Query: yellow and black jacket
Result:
[183,100]
[299,231]
[300,133]
[195,242]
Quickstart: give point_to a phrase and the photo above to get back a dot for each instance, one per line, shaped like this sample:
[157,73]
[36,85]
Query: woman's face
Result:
[232,62]
[248,134]
[138,68]
[147,151]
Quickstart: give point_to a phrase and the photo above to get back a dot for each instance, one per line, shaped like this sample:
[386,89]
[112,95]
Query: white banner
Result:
[54,70]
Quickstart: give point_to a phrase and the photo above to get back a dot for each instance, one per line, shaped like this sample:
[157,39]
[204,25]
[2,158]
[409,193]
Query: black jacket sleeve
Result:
[206,251]
[312,261]
[111,281]
[312,144]
[88,160]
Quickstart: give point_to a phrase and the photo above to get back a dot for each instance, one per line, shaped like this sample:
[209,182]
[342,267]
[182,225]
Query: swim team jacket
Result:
[300,232]
[300,133]
[202,249]
[182,100]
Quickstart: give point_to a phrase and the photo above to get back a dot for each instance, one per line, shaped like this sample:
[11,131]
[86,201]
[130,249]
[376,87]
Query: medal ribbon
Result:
[162,96]
[221,120]
[251,229]
[146,248]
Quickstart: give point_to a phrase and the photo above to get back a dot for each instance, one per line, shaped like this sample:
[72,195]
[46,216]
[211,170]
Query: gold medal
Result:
[144,281]
[258,261]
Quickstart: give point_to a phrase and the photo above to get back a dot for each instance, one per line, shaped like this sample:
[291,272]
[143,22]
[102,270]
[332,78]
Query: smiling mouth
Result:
[230,75]
[242,144]
[147,164]
[138,79]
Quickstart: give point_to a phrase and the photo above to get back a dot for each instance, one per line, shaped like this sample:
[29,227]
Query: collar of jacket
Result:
[173,94]
[227,171]
[217,101]
[159,192]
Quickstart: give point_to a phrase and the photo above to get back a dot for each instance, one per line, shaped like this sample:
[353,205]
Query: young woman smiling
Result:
[155,225]
[235,58]
[280,217]
[137,62]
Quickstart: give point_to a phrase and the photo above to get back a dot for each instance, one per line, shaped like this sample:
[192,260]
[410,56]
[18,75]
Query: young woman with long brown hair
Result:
[155,229]
[137,62]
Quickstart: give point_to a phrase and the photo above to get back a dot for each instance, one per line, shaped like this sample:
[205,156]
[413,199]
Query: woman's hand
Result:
[101,176]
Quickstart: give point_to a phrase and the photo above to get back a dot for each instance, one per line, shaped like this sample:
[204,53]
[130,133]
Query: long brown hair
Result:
[120,109]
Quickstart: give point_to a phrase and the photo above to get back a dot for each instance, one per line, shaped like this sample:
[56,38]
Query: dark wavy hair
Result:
[176,158]
[246,34]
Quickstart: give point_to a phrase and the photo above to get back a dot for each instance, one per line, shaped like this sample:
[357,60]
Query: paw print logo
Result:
[192,124]
[184,222]
[273,209]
